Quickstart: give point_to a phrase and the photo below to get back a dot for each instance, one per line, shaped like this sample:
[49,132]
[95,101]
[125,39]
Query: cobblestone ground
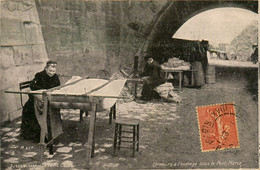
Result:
[169,136]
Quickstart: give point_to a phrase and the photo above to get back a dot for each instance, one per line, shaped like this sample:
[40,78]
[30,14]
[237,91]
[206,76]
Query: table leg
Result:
[115,138]
[81,115]
[43,124]
[91,136]
[49,134]
[180,79]
[114,111]
[45,112]
[110,115]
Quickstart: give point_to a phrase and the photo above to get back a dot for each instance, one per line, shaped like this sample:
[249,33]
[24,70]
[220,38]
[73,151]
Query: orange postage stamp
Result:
[217,127]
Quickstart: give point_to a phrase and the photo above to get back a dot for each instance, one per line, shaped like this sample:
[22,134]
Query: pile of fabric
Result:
[177,63]
[166,92]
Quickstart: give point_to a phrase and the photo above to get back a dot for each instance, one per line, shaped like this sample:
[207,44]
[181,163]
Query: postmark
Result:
[217,127]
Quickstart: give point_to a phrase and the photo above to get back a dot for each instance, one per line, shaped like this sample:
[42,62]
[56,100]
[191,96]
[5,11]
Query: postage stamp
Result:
[217,127]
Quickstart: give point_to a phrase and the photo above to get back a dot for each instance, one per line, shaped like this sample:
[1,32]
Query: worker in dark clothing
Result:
[152,79]
[46,79]
[254,56]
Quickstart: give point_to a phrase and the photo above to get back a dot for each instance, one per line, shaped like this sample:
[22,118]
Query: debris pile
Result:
[177,63]
[166,92]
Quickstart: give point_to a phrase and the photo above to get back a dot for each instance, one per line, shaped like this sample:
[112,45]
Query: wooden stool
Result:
[118,134]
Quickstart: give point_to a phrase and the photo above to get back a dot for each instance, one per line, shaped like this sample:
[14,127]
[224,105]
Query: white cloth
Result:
[113,88]
[166,92]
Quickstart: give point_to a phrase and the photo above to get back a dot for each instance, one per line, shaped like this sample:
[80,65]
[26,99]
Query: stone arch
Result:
[178,12]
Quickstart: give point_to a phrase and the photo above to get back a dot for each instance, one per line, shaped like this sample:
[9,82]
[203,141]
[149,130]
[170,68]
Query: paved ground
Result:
[169,136]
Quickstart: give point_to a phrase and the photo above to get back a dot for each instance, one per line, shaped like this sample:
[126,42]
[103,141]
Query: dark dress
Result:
[199,62]
[153,71]
[30,129]
[254,56]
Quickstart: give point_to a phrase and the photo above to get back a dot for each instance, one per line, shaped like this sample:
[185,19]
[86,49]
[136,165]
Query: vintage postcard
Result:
[129,84]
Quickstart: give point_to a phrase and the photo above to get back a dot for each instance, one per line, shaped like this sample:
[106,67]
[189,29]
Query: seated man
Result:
[152,78]
[46,79]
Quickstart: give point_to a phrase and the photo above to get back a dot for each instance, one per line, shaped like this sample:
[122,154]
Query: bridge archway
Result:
[176,13]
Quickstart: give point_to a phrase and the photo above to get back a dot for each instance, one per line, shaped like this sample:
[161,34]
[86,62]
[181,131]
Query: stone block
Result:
[91,6]
[39,53]
[96,52]
[112,23]
[33,14]
[7,56]
[95,64]
[11,26]
[76,5]
[61,5]
[92,37]
[113,47]
[112,39]
[17,9]
[33,34]
[11,77]
[23,55]
[113,32]
[91,20]
[4,116]
[12,39]
[15,114]
[8,102]
[49,3]
[63,17]
[50,34]
[44,15]
[35,69]
[100,36]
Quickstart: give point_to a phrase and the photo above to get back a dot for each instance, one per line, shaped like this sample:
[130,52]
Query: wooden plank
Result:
[91,136]
[23,92]
[134,80]
[77,95]
[45,111]
[71,83]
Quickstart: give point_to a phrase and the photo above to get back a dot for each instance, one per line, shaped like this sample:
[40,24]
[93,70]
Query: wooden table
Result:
[85,94]
[168,70]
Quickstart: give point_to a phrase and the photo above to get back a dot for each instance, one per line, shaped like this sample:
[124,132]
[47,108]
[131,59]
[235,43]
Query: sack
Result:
[166,92]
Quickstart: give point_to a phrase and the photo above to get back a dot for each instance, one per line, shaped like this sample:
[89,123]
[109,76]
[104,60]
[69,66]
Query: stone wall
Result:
[86,36]
[22,52]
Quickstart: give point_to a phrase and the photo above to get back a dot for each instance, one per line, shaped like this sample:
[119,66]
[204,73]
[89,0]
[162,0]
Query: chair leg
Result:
[133,141]
[115,138]
[138,137]
[120,133]
[114,111]
[81,115]
[110,115]
[49,134]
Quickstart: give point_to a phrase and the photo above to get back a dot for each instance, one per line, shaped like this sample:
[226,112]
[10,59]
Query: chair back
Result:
[24,85]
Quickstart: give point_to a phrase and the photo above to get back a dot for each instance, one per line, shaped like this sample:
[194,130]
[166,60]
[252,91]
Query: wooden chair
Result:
[119,138]
[24,85]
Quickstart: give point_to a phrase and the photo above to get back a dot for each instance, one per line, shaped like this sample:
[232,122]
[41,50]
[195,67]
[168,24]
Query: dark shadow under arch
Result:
[176,13]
